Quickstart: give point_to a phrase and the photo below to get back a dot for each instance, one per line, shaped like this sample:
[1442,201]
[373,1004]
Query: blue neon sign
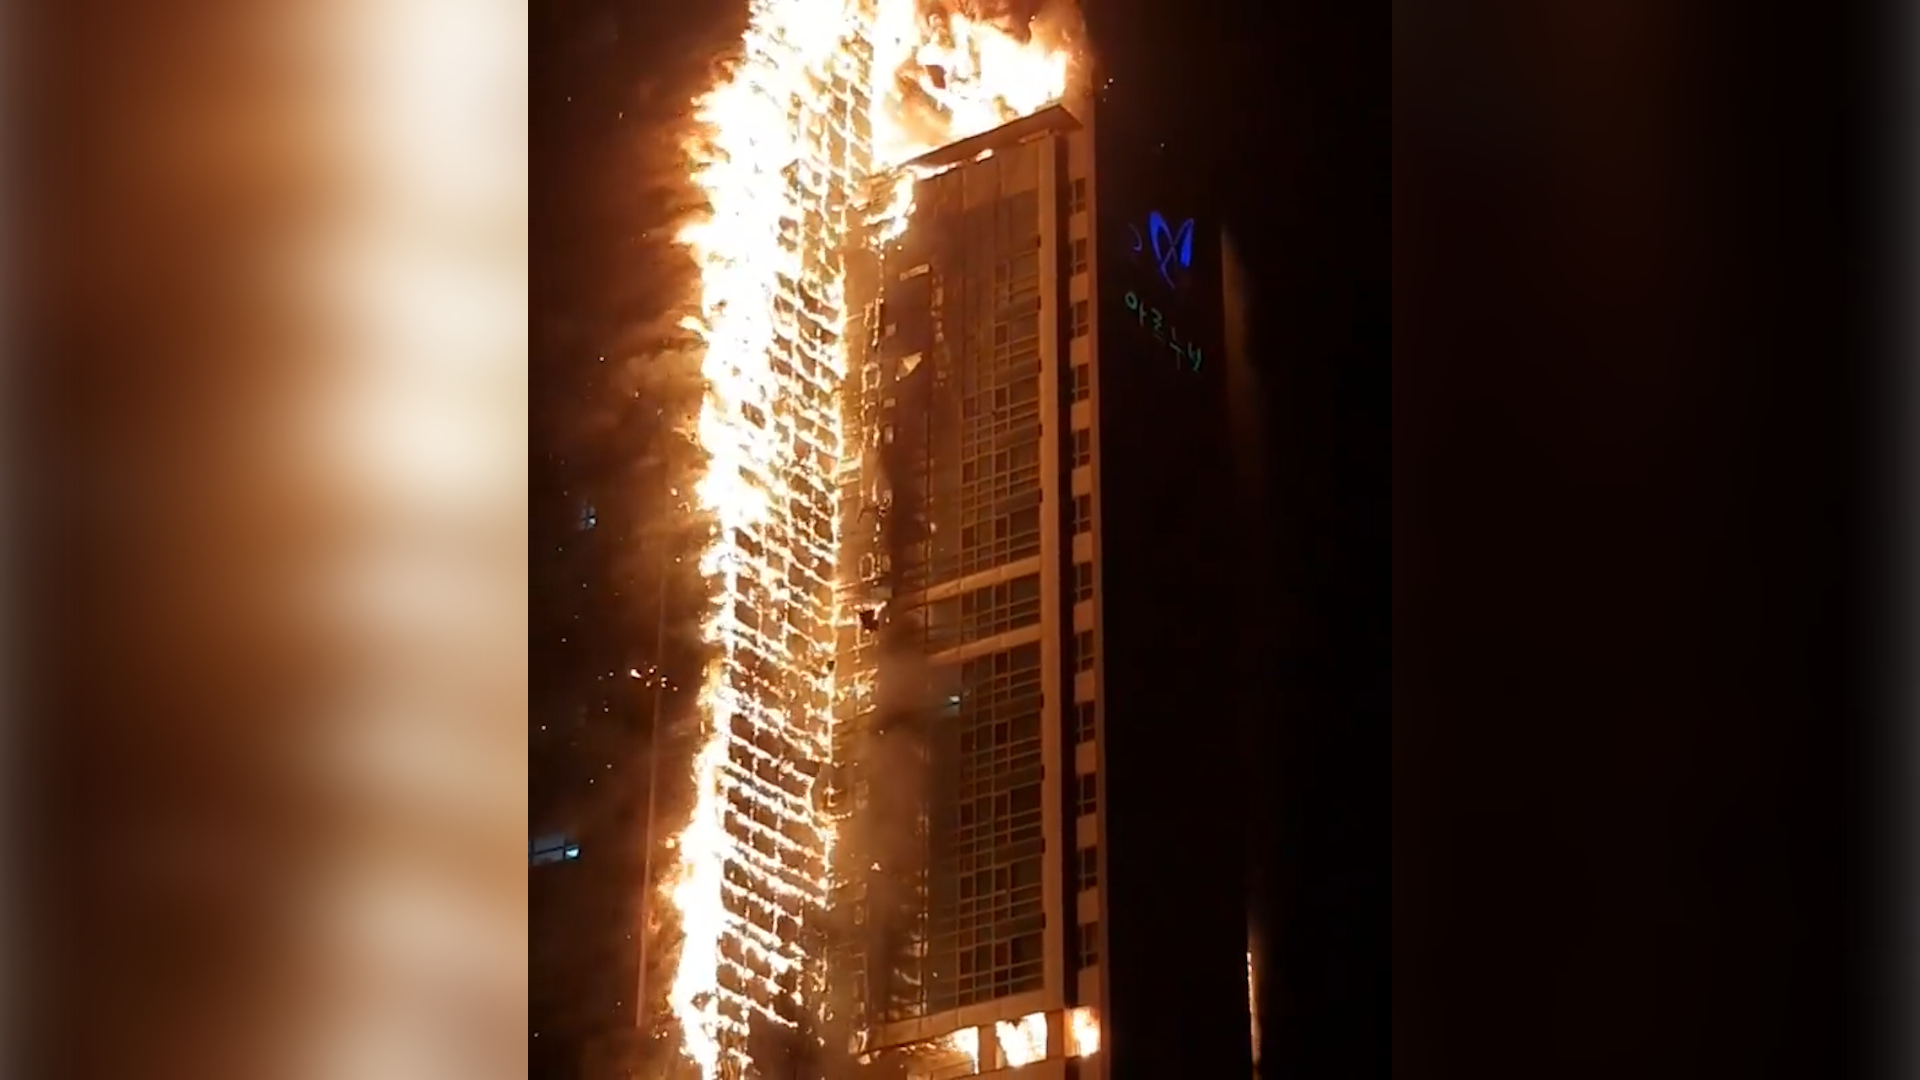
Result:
[1171,248]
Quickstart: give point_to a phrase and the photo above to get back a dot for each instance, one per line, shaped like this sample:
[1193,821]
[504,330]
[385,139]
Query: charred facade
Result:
[948,902]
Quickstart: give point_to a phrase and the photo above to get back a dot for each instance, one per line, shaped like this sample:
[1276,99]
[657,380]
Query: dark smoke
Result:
[615,385]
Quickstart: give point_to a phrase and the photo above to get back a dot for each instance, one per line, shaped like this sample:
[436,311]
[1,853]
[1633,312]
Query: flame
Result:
[1083,1032]
[966,1041]
[825,98]
[1253,1011]
[1022,1041]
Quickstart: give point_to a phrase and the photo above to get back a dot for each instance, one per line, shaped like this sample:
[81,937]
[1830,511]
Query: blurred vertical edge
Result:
[267,436]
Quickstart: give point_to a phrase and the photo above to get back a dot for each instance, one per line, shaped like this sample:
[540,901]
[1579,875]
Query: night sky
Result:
[1286,109]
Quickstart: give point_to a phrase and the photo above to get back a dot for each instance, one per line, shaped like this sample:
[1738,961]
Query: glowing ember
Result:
[825,94]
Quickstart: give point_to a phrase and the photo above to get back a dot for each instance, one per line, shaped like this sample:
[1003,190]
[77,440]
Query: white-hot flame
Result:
[825,96]
[967,1041]
[1022,1041]
[1083,1031]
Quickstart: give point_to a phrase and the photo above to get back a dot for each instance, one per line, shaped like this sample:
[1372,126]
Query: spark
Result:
[824,97]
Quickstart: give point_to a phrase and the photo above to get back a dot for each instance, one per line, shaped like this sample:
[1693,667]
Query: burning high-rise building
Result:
[961,413]
[1035,511]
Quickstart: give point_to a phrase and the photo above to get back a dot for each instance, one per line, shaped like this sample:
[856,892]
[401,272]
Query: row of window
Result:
[1087,785]
[1079,376]
[1080,520]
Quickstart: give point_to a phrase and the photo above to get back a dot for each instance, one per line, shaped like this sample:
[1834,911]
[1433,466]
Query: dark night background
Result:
[1284,108]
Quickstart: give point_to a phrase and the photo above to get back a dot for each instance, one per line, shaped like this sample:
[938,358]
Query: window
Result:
[1083,651]
[1089,950]
[1083,721]
[1087,798]
[1082,581]
[1079,320]
[1077,195]
[1079,382]
[1078,256]
[1082,514]
[1087,873]
[1082,447]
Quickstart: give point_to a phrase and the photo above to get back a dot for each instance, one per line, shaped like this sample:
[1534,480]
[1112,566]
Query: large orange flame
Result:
[825,95]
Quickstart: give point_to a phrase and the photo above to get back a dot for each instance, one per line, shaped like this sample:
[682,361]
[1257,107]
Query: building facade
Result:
[1035,859]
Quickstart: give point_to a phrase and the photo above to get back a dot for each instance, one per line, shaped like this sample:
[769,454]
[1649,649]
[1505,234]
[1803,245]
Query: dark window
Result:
[1087,873]
[1083,651]
[1082,581]
[1082,447]
[1082,516]
[1079,382]
[1077,195]
[1079,319]
[1087,797]
[1079,255]
[1089,950]
[1083,721]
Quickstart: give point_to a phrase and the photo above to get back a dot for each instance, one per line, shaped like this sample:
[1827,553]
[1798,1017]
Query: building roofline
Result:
[1054,119]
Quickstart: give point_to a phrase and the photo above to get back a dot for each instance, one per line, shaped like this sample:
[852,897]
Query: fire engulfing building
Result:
[1034,795]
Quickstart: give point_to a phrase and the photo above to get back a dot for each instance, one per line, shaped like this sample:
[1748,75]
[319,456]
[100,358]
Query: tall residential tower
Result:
[1037,857]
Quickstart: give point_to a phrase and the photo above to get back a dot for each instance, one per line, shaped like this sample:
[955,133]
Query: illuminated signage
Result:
[1170,248]
[1186,353]
[1163,250]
